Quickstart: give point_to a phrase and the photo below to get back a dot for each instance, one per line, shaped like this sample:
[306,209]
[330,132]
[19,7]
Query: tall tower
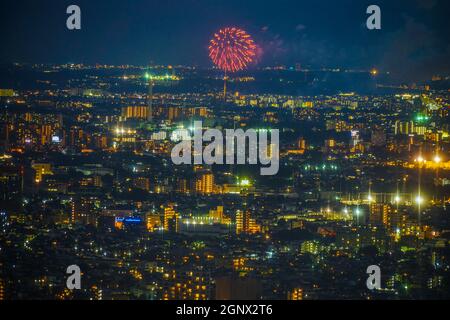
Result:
[151,83]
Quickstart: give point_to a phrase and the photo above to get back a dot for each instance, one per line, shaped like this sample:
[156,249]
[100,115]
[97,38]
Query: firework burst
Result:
[232,49]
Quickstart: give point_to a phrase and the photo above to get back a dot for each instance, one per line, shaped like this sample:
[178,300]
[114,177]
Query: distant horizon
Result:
[382,77]
[288,67]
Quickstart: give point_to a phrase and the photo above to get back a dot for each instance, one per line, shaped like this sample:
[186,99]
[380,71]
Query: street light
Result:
[437,160]
[420,159]
[419,200]
[358,213]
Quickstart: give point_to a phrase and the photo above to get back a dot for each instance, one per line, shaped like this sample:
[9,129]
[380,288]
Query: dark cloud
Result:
[300,27]
[426,4]
[414,52]
[271,46]
[311,51]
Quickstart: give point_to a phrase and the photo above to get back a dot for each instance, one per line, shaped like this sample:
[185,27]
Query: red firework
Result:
[232,49]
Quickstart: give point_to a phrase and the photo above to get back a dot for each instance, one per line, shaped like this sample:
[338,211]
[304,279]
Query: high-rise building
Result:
[2,289]
[379,213]
[153,222]
[295,294]
[173,113]
[302,143]
[182,185]
[217,214]
[329,144]
[100,141]
[204,183]
[46,134]
[171,219]
[91,181]
[76,138]
[420,130]
[41,169]
[83,210]
[186,285]
[135,112]
[142,183]
[397,220]
[404,127]
[96,293]
[245,223]
[355,138]
[4,223]
[240,221]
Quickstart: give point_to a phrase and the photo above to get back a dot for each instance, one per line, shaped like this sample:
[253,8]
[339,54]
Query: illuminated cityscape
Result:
[87,179]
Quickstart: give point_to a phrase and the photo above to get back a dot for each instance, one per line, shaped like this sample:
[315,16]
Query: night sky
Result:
[413,43]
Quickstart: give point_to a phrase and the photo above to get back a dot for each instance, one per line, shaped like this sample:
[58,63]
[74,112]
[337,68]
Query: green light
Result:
[421,118]
[245,182]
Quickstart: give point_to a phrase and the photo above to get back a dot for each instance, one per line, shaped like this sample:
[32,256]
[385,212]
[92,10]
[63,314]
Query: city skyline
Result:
[202,150]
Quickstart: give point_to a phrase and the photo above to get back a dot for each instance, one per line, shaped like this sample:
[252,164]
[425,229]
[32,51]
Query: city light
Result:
[420,159]
[419,200]
[159,186]
[421,118]
[245,182]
